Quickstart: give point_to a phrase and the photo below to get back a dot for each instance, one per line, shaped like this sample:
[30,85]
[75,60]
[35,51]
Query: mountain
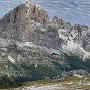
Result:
[33,47]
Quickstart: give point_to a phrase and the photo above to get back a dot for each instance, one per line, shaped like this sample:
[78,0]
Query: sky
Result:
[74,11]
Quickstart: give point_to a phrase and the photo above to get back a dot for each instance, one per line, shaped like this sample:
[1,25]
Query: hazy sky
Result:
[75,11]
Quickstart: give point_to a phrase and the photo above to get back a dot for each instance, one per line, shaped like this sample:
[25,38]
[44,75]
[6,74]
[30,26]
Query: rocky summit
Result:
[33,47]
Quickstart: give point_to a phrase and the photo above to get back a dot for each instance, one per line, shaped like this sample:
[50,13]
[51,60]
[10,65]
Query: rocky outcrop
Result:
[61,24]
[18,23]
[75,39]
[30,23]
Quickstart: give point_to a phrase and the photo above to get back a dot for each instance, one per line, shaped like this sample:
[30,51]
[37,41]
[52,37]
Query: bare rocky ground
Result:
[47,87]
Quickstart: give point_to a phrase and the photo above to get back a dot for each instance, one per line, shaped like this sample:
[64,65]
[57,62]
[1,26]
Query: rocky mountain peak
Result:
[60,23]
[18,21]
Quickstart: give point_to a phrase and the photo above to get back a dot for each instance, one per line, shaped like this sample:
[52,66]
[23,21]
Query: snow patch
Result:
[71,45]
[11,59]
[74,47]
[86,54]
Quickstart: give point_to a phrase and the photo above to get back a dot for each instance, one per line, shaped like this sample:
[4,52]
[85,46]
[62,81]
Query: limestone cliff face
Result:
[75,39]
[29,22]
[18,23]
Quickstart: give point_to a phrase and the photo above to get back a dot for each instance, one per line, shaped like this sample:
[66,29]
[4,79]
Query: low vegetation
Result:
[69,82]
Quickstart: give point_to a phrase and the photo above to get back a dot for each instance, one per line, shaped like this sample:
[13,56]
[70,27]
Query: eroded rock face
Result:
[29,22]
[60,23]
[18,23]
[75,39]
